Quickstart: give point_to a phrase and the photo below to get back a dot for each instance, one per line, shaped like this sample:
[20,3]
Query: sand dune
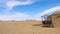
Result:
[25,27]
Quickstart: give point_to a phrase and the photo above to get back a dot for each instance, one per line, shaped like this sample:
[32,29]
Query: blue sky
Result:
[27,9]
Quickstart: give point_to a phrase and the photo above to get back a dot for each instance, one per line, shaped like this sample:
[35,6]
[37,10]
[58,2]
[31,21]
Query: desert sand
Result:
[26,27]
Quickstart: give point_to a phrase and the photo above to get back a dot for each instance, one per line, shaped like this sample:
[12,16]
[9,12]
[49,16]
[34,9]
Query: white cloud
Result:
[51,10]
[14,16]
[23,16]
[7,15]
[15,3]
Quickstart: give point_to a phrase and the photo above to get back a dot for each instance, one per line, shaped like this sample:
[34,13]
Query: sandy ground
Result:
[26,27]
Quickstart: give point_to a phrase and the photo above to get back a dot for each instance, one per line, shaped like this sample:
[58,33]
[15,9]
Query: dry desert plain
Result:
[26,27]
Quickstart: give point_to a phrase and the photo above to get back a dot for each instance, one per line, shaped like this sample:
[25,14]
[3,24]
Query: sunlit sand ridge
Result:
[27,27]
